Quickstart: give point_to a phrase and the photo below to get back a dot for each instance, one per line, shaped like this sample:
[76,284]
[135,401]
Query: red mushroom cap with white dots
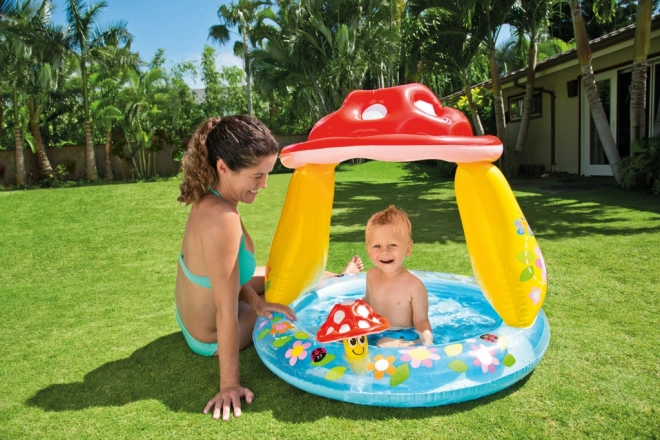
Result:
[395,124]
[351,319]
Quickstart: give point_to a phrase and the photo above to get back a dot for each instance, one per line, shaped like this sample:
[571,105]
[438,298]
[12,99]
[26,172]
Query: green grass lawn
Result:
[89,347]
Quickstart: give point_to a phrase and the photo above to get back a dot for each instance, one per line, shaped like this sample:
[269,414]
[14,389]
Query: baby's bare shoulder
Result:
[415,284]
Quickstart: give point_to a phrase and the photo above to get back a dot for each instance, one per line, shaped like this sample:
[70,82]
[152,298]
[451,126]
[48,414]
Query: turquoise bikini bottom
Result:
[201,348]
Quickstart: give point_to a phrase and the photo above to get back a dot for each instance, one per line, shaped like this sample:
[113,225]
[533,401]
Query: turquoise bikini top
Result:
[246,265]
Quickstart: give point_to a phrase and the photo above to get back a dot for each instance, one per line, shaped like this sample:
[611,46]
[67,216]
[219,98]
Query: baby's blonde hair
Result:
[391,216]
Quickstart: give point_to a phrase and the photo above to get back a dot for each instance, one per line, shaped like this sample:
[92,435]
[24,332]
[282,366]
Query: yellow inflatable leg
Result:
[299,251]
[505,255]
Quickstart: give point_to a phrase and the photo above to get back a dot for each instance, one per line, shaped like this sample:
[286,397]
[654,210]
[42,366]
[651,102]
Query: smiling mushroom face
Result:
[352,321]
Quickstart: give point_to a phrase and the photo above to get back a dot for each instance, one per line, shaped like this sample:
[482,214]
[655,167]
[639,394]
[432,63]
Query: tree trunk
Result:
[248,73]
[638,101]
[600,120]
[528,102]
[595,104]
[497,96]
[89,152]
[108,167]
[639,71]
[473,108]
[45,169]
[20,159]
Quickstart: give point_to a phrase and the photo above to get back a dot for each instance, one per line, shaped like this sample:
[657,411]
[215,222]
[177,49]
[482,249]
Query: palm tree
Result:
[455,51]
[482,19]
[529,18]
[85,40]
[512,53]
[113,67]
[142,102]
[246,15]
[11,49]
[324,50]
[589,81]
[639,69]
[104,111]
[489,16]
[37,52]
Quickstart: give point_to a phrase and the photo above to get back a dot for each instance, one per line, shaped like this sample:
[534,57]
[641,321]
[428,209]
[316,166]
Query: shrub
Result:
[531,170]
[641,170]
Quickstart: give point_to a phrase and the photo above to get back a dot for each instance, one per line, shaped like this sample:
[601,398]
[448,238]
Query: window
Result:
[516,106]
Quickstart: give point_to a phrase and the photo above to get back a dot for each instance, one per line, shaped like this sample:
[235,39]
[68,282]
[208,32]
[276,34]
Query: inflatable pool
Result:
[475,352]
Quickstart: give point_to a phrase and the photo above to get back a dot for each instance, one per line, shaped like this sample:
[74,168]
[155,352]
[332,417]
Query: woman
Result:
[217,291]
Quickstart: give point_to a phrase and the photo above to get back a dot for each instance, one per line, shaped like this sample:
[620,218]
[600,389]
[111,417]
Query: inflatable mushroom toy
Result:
[351,322]
[402,124]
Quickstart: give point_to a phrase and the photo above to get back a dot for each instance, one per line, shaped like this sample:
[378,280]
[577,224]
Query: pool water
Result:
[451,319]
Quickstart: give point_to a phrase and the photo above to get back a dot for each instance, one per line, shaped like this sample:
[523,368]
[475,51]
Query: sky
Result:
[181,28]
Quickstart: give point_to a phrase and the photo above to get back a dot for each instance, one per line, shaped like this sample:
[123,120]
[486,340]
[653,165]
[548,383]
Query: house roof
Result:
[608,40]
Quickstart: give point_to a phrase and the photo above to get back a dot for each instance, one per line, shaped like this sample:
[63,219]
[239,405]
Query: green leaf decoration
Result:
[326,360]
[458,366]
[262,334]
[525,257]
[301,335]
[454,349]
[267,286]
[402,374]
[509,360]
[527,274]
[276,319]
[280,342]
[335,373]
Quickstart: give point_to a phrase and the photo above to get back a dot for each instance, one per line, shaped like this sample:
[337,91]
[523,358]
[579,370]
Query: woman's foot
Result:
[354,265]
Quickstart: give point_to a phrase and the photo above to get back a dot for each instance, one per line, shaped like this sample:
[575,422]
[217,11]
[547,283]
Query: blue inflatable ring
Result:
[475,355]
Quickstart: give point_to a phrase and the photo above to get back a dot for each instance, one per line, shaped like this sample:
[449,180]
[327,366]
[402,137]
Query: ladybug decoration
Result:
[318,354]
[489,337]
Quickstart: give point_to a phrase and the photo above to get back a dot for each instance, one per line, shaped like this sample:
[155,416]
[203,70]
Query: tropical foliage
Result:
[300,59]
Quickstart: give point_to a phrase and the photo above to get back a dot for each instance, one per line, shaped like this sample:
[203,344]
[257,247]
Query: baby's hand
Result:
[426,337]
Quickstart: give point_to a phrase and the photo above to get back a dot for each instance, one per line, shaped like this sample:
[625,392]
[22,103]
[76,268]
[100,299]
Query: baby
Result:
[392,291]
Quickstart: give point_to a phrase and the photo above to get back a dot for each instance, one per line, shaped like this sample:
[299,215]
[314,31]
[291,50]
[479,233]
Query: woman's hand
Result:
[226,398]
[267,309]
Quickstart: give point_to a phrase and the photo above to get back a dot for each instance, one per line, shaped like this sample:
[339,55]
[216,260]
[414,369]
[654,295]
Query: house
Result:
[562,135]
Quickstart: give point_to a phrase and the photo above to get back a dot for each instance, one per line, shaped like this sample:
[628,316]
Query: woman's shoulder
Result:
[211,213]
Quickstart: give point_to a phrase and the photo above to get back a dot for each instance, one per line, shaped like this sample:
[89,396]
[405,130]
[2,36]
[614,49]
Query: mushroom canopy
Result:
[351,319]
[395,124]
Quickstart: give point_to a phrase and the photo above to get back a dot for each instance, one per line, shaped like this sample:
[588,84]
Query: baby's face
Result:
[387,247]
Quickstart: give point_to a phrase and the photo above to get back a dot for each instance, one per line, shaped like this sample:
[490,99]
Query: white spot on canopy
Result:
[426,107]
[344,329]
[375,111]
[363,324]
[339,317]
[363,311]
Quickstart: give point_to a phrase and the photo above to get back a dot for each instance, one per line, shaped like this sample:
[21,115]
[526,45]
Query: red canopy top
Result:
[400,123]
[351,319]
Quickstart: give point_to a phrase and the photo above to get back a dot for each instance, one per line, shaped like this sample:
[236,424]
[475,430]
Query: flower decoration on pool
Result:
[484,357]
[419,356]
[297,352]
[281,327]
[382,365]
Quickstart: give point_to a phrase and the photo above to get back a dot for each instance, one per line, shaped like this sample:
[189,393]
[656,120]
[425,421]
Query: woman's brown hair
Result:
[241,141]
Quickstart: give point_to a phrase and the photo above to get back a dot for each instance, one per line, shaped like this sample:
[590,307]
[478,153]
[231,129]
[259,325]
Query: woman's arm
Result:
[220,248]
[263,308]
